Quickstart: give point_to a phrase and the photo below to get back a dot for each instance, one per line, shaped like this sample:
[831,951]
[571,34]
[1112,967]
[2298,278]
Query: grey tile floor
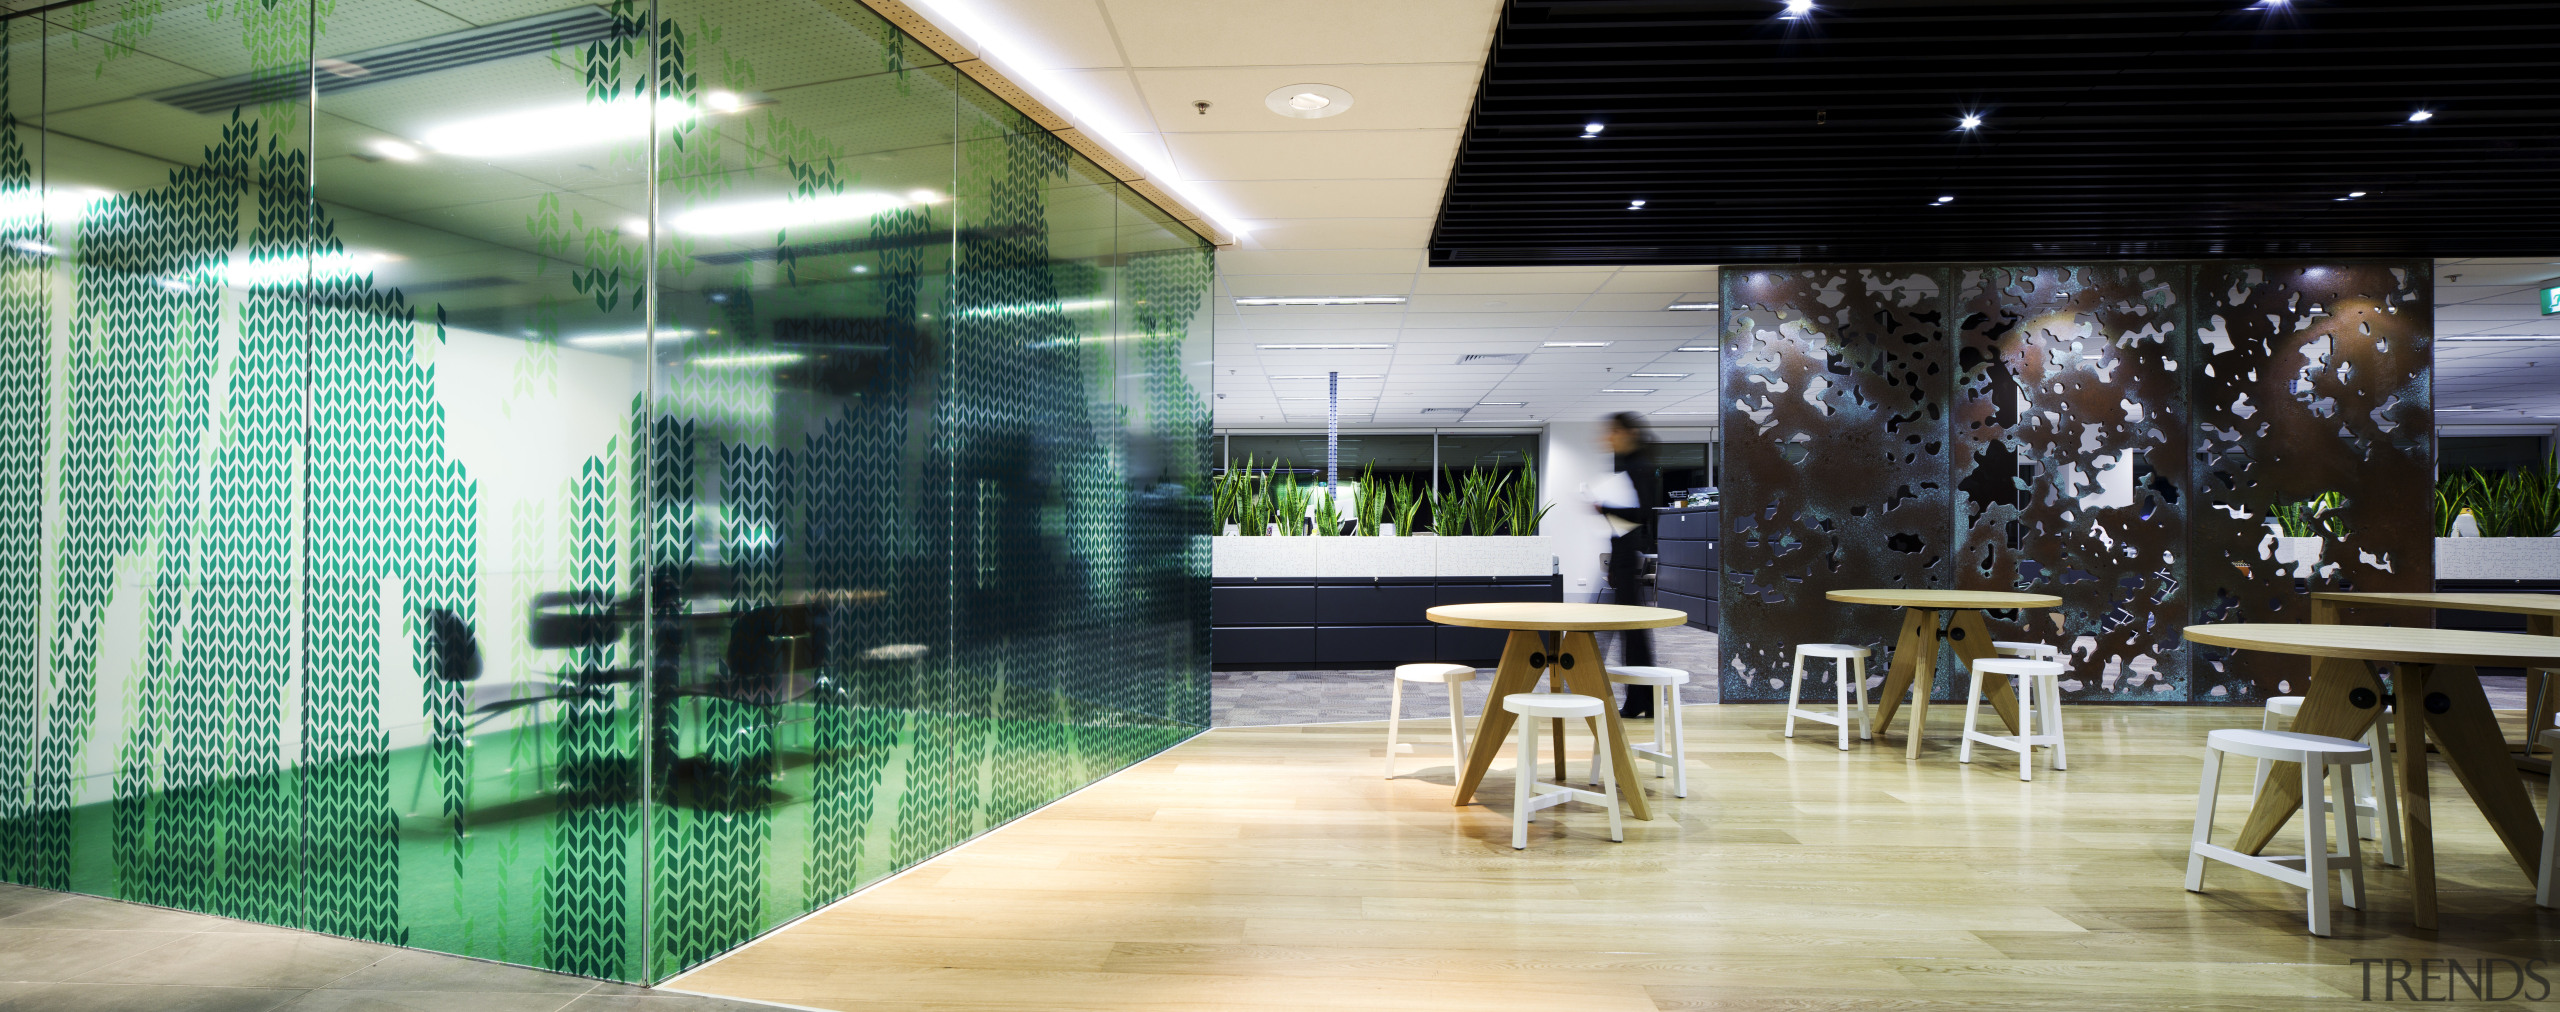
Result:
[61,952]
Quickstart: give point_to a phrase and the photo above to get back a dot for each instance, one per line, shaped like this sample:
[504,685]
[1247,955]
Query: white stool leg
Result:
[1395,715]
[2386,790]
[1600,746]
[1598,758]
[1661,731]
[1866,732]
[1525,778]
[1840,689]
[2204,818]
[2258,784]
[1972,706]
[2315,845]
[2025,695]
[1679,739]
[1457,725]
[2350,885]
[2053,720]
[1794,683]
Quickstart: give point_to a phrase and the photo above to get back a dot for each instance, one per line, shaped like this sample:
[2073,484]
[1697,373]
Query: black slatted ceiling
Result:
[2112,128]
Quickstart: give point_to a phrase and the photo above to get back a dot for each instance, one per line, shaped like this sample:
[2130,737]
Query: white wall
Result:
[1574,457]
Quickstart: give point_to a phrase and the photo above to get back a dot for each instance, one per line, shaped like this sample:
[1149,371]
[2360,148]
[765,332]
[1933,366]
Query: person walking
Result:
[1631,448]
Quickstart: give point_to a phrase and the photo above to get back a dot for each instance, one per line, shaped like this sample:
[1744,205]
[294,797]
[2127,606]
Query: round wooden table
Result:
[2541,612]
[2435,694]
[1924,613]
[1575,661]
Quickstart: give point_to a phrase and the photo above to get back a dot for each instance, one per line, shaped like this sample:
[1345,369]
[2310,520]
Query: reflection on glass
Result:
[434,510]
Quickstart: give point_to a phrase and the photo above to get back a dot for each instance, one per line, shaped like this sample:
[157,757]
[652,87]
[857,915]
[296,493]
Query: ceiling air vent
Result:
[1511,359]
[541,33]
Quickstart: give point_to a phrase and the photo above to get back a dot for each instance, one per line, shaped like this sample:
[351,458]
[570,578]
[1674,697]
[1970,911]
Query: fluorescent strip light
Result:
[624,338]
[1577,344]
[756,216]
[1620,390]
[1319,300]
[1696,347]
[752,359]
[1322,347]
[23,208]
[284,270]
[1657,375]
[553,128]
[1686,307]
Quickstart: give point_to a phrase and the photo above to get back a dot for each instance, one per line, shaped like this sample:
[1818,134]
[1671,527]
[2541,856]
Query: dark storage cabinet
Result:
[1277,622]
[1688,571]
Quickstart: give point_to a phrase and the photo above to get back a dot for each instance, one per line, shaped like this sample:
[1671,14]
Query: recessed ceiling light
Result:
[724,101]
[1576,344]
[861,269]
[1308,101]
[1622,390]
[2358,193]
[1322,347]
[398,151]
[1634,205]
[1594,127]
[1946,200]
[2421,116]
[1319,300]
[1969,122]
[1657,375]
[1799,8]
[1682,307]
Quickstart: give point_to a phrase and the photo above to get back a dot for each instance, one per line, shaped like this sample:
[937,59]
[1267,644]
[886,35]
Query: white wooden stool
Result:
[1665,750]
[1453,675]
[2030,651]
[1527,797]
[2543,893]
[1848,668]
[2311,869]
[2039,690]
[2377,784]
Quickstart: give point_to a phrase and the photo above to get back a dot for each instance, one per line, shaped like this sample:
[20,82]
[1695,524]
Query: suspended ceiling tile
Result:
[1332,154]
[1188,33]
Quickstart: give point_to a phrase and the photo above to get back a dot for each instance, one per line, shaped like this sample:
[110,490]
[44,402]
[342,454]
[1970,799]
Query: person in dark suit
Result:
[1631,447]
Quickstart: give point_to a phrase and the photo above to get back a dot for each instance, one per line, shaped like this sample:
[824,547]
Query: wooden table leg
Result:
[2466,731]
[1493,726]
[1580,658]
[1915,656]
[2418,837]
[1971,641]
[2342,701]
[2542,701]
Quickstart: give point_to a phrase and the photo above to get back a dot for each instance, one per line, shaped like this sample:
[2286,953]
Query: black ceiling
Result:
[2111,128]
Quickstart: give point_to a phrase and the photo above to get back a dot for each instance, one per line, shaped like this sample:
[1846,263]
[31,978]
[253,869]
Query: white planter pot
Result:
[2498,558]
[1238,557]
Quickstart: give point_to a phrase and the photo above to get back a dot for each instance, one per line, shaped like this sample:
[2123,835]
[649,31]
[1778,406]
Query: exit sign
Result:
[2551,302]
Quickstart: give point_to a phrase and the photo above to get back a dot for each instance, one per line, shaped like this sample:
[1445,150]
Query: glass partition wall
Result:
[576,486]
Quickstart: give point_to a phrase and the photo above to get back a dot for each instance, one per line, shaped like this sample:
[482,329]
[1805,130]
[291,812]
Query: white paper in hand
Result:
[1617,491]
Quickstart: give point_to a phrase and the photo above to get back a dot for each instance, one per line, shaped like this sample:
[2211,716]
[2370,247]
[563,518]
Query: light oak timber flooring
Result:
[1272,868]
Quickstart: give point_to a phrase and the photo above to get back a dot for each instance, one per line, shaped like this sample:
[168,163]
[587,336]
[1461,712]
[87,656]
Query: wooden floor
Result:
[1272,868]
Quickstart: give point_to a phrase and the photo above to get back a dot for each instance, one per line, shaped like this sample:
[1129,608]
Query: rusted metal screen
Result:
[2143,440]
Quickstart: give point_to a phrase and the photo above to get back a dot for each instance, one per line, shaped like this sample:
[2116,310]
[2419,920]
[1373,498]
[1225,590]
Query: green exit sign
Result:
[2551,302]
